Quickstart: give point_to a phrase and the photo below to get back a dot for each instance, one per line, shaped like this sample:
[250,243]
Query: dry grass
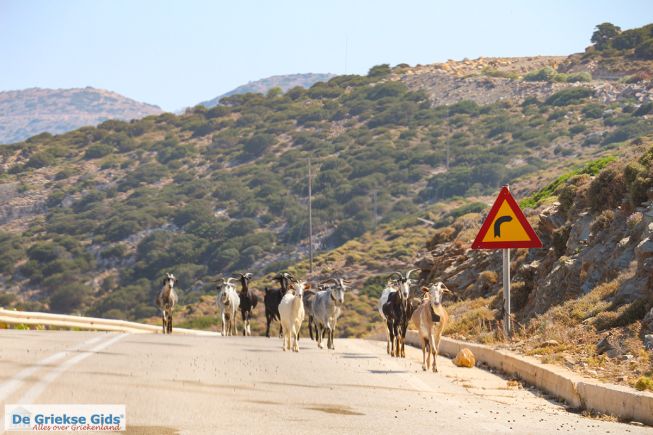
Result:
[567,334]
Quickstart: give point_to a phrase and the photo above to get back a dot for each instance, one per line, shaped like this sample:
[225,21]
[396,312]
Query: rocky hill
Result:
[586,299]
[29,112]
[90,218]
[262,86]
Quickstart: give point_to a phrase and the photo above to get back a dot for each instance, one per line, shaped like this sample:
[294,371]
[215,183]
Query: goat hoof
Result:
[424,368]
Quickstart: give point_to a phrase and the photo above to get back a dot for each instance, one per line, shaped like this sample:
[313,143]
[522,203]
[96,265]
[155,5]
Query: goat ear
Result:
[307,285]
[425,289]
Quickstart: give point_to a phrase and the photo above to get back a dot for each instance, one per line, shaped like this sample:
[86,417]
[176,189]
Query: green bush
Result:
[97,151]
[569,96]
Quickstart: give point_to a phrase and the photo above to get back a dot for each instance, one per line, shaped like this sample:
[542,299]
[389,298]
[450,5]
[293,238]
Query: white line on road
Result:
[15,383]
[37,389]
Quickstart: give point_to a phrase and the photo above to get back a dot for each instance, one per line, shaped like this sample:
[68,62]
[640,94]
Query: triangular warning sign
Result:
[506,226]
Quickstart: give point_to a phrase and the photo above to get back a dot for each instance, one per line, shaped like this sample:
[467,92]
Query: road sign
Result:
[506,226]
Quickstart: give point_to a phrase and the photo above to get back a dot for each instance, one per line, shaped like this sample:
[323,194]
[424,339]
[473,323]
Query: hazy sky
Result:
[178,53]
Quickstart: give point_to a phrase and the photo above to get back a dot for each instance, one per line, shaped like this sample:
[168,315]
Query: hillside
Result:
[91,219]
[33,111]
[262,86]
[584,301]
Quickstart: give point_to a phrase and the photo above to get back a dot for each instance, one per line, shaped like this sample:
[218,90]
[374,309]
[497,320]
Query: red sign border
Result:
[505,194]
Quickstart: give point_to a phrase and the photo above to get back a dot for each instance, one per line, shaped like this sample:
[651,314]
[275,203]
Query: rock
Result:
[610,346]
[644,249]
[550,343]
[465,358]
[648,341]
[550,220]
[623,242]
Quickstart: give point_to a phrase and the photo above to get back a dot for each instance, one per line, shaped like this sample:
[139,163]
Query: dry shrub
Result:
[623,316]
[602,221]
[644,383]
[607,190]
[441,235]
[488,278]
[574,193]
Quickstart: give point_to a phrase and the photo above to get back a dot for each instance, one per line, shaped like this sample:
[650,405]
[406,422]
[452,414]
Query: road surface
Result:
[188,385]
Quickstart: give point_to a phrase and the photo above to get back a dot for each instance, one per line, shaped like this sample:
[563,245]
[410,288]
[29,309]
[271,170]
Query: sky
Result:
[176,54]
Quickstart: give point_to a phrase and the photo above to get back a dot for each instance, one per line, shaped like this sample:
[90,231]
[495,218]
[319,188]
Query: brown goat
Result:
[430,319]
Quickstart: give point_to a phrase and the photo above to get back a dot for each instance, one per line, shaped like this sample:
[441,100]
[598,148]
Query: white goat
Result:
[430,319]
[400,282]
[291,311]
[166,301]
[228,303]
[327,307]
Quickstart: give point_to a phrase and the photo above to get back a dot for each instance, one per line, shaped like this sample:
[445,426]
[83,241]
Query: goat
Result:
[327,307]
[430,319]
[248,301]
[308,298]
[166,301]
[395,309]
[228,303]
[291,311]
[272,299]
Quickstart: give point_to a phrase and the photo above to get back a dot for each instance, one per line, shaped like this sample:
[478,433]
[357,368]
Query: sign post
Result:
[507,327]
[506,227]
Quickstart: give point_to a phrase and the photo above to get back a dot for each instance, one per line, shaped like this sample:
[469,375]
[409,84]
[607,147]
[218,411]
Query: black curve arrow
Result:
[497,224]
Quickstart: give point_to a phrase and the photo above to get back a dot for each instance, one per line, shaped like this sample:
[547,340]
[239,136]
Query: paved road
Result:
[185,384]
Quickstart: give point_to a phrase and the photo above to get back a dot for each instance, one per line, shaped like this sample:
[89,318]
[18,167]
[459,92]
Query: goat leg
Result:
[320,332]
[424,344]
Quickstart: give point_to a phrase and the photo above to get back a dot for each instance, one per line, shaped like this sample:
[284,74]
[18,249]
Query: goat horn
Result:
[229,280]
[395,273]
[409,272]
[329,280]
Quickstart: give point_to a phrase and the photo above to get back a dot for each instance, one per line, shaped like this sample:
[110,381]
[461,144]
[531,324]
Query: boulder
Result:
[644,249]
[610,346]
[647,323]
[465,358]
[550,220]
[648,341]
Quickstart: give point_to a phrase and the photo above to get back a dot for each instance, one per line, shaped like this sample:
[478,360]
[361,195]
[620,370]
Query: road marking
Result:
[37,389]
[19,378]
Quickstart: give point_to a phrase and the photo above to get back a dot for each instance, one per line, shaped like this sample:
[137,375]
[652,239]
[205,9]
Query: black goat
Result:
[248,301]
[396,311]
[272,299]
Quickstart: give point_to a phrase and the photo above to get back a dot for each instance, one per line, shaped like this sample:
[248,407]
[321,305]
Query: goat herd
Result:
[295,300]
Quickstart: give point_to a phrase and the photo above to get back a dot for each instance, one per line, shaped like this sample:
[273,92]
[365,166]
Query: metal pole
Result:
[375,209]
[310,221]
[506,293]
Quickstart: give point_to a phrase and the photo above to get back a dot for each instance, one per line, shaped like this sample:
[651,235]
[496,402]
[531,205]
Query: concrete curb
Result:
[89,323]
[575,390]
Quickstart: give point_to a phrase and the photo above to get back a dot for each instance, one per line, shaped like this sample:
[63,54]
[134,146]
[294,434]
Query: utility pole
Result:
[310,220]
[375,207]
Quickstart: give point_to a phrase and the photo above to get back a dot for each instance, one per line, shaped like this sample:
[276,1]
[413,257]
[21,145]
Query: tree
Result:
[645,50]
[603,34]
[258,144]
[379,70]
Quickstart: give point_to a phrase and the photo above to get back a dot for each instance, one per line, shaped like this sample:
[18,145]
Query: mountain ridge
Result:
[28,112]
[283,81]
